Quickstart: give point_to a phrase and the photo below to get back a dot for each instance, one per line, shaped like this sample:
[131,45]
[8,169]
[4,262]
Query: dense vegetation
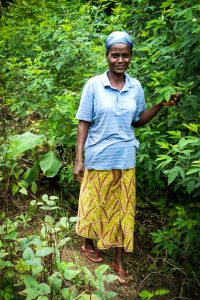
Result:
[48,50]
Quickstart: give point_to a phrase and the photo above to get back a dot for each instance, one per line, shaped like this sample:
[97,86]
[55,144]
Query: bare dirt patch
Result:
[137,265]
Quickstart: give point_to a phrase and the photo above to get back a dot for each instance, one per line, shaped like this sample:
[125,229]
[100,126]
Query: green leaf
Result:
[110,278]
[190,186]
[64,222]
[163,145]
[45,198]
[172,175]
[3,254]
[66,293]
[161,292]
[74,219]
[33,261]
[192,127]
[111,294]
[15,189]
[32,173]
[32,293]
[37,269]
[33,202]
[46,207]
[32,240]
[34,187]
[182,172]
[23,191]
[101,269]
[53,197]
[63,242]
[45,251]
[28,254]
[87,271]
[44,289]
[167,3]
[71,274]
[5,264]
[192,171]
[183,142]
[55,282]
[50,164]
[145,294]
[59,64]
[50,220]
[24,142]
[167,95]
[158,239]
[30,282]
[176,134]
[166,160]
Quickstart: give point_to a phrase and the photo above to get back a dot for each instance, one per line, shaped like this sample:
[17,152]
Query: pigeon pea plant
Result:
[181,163]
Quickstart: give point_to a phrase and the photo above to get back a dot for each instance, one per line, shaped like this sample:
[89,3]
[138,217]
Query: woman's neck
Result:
[116,80]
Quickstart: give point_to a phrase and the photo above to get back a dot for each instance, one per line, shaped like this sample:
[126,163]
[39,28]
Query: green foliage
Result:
[145,294]
[180,240]
[49,162]
[54,61]
[48,50]
[181,164]
[24,142]
[32,266]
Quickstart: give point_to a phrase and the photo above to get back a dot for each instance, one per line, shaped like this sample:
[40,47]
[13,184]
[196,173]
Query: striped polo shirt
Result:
[111,143]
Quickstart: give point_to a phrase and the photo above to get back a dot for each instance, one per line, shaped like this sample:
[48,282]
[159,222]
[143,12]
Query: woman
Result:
[111,104]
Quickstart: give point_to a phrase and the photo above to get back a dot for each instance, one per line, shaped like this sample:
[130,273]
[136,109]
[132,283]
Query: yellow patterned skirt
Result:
[107,208]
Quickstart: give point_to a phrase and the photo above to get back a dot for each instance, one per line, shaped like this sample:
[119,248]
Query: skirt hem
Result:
[104,248]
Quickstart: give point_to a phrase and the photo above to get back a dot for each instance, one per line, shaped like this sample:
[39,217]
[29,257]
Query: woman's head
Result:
[118,51]
[117,37]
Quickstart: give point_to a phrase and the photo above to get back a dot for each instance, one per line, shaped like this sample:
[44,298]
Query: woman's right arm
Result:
[82,133]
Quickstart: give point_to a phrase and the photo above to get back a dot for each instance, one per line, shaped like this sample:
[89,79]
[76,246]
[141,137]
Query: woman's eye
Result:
[123,55]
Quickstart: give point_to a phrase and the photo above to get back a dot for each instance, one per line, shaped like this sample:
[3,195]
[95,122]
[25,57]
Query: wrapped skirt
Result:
[107,208]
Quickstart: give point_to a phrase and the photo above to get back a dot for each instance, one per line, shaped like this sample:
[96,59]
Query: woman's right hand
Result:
[79,171]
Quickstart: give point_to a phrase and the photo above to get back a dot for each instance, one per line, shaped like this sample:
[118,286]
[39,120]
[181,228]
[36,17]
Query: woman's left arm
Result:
[148,114]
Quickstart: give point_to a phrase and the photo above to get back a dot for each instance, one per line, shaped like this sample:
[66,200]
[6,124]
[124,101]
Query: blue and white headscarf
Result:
[118,37]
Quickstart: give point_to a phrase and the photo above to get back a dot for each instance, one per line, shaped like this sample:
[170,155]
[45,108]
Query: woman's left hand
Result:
[173,101]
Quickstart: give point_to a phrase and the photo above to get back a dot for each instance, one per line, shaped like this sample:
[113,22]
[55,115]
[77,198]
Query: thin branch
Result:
[147,200]
[141,283]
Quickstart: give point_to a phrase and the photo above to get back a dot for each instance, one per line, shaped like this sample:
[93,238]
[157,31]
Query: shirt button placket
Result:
[117,104]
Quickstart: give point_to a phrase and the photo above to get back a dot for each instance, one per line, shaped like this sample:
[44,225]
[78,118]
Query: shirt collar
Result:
[128,81]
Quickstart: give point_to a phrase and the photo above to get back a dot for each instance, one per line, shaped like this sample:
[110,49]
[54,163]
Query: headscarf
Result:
[118,37]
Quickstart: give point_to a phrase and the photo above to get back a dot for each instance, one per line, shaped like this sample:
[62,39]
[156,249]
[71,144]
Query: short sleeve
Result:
[141,105]
[85,110]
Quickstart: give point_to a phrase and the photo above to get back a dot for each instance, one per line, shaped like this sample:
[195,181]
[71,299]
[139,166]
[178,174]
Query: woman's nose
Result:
[120,58]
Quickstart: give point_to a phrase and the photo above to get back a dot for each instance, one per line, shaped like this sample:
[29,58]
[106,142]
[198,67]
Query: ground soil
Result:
[144,274]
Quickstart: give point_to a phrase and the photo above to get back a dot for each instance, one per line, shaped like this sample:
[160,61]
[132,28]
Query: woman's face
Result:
[118,58]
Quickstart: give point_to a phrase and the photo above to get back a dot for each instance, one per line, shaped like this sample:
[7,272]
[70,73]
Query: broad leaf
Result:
[30,282]
[50,163]
[28,254]
[24,142]
[66,293]
[44,289]
[45,251]
[71,274]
